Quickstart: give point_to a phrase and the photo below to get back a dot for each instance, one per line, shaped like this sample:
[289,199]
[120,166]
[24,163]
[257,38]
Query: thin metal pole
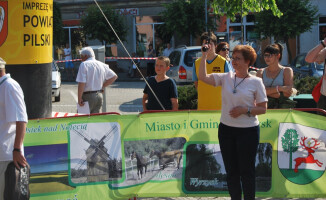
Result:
[129,54]
[70,42]
[206,14]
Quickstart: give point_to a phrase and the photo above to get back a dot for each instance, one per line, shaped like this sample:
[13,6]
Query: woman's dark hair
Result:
[220,46]
[274,49]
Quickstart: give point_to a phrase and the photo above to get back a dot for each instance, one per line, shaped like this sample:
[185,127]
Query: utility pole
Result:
[206,14]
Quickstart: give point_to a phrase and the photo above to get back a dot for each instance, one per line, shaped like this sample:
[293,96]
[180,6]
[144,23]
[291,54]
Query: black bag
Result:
[16,182]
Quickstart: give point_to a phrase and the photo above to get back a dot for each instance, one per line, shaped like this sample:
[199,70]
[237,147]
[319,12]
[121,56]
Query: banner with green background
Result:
[169,154]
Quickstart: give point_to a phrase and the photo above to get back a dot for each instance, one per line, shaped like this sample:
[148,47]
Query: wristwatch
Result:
[322,43]
[249,112]
[15,149]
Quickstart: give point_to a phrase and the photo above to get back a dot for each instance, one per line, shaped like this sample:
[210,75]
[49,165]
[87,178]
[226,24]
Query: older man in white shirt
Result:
[13,120]
[93,76]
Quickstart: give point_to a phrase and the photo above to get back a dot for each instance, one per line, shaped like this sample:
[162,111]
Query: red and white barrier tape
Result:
[62,61]
[62,114]
[255,68]
[110,58]
[128,58]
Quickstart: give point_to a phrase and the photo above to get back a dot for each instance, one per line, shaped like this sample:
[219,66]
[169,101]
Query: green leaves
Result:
[298,17]
[96,27]
[305,85]
[57,25]
[185,17]
[233,7]
[187,97]
[290,141]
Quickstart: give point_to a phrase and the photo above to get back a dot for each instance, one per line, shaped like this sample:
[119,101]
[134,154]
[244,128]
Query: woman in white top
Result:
[243,98]
[278,80]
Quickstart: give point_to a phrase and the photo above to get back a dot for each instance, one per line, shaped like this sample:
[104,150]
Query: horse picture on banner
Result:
[301,152]
[142,163]
[165,158]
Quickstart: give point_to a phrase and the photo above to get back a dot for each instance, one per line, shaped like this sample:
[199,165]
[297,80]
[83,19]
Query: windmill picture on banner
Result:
[301,152]
[95,153]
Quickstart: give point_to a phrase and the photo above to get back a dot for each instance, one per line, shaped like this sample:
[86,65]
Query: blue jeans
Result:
[239,148]
[69,64]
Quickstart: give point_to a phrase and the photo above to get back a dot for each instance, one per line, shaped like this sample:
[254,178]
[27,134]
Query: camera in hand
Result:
[208,40]
[204,49]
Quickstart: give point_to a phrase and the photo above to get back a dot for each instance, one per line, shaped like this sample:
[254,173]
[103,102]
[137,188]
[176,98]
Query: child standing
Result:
[164,88]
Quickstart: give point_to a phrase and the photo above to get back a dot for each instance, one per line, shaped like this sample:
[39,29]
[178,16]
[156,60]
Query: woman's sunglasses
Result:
[224,49]
[268,55]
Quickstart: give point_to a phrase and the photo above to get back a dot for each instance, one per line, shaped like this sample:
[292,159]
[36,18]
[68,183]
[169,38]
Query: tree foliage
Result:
[57,25]
[202,164]
[231,8]
[164,35]
[298,17]
[77,38]
[290,143]
[305,85]
[187,97]
[96,27]
[185,18]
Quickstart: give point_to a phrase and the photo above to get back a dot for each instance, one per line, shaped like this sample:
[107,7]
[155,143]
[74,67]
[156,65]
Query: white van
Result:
[56,82]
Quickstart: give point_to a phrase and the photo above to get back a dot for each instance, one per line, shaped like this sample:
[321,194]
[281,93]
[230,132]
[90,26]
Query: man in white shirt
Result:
[69,64]
[167,50]
[13,119]
[93,76]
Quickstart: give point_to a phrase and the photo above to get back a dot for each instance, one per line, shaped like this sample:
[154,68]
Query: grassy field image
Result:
[49,182]
[49,168]
[303,176]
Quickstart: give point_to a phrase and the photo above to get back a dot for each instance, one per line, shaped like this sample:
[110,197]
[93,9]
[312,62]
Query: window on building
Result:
[237,19]
[250,18]
[248,36]
[147,33]
[322,28]
[234,36]
[322,20]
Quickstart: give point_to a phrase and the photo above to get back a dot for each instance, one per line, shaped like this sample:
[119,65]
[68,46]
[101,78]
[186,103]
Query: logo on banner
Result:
[301,152]
[3,21]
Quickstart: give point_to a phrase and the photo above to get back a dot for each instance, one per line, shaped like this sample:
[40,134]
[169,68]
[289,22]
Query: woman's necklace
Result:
[278,73]
[235,86]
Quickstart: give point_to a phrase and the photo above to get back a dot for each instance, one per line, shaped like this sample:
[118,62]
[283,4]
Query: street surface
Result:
[121,97]
[217,198]
[126,98]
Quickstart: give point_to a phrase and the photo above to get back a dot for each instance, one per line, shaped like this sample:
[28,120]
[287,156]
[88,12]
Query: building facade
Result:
[308,40]
[142,18]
